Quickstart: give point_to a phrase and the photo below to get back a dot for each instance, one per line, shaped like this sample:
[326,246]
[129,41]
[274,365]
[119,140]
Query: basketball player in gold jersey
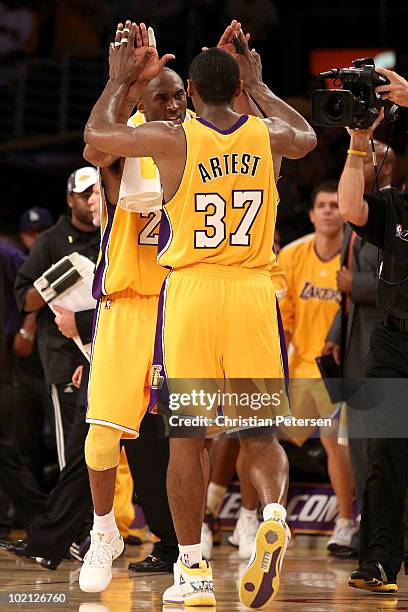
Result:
[220,318]
[127,284]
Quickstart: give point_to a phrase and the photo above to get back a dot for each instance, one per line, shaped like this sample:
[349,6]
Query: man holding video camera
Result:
[382,219]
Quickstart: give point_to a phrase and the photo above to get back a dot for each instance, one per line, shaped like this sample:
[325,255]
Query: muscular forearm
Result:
[104,116]
[274,107]
[33,300]
[246,106]
[104,160]
[351,186]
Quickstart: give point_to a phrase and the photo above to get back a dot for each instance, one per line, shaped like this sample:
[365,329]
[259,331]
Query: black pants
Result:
[381,530]
[64,397]
[32,408]
[16,481]
[148,458]
[70,502]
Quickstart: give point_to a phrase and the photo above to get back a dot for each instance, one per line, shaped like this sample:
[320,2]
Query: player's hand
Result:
[249,63]
[77,376]
[65,321]
[132,58]
[344,278]
[226,42]
[397,88]
[334,348]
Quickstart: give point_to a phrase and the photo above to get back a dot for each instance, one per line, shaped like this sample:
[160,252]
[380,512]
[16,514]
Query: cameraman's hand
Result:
[332,347]
[396,90]
[360,138]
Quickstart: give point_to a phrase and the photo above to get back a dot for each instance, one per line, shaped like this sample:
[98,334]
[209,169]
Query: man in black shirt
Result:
[382,219]
[59,355]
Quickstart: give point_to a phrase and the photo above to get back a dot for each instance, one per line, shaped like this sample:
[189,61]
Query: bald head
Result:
[388,164]
[164,98]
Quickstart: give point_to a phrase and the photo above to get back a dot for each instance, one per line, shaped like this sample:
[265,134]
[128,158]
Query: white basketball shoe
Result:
[193,586]
[96,570]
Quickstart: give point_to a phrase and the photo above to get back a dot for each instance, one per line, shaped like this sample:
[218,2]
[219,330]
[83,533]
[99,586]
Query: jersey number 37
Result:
[215,232]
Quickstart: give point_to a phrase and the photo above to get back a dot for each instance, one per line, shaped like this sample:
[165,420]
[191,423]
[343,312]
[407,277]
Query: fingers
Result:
[385,72]
[166,58]
[125,33]
[151,37]
[58,309]
[118,35]
[132,35]
[226,36]
[138,38]
[144,35]
[386,87]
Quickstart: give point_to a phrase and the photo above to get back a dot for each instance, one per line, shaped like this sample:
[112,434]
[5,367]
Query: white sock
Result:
[271,509]
[190,555]
[106,522]
[215,496]
[245,513]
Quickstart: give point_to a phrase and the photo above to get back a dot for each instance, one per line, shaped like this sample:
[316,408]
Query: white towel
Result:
[140,187]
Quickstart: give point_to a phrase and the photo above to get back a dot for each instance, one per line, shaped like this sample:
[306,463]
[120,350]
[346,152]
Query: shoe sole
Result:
[192,600]
[373,585]
[260,582]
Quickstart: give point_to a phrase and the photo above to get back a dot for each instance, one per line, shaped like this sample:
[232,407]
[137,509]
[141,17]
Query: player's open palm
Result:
[229,38]
[131,58]
[146,54]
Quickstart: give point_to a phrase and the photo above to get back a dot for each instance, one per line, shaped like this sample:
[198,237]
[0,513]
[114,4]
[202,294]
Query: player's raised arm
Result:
[132,62]
[291,135]
[230,42]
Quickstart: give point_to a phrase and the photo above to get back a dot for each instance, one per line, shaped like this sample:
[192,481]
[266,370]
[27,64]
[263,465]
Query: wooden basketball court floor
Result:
[311,581]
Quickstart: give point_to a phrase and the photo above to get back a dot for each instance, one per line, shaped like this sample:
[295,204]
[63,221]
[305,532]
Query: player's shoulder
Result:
[298,247]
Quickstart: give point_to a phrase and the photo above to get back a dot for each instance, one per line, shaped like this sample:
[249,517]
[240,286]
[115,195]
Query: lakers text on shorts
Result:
[122,353]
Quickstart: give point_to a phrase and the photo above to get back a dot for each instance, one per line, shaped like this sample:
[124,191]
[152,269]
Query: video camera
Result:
[357,104]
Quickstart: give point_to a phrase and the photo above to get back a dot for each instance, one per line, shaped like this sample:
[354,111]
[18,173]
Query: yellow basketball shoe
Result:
[193,586]
[260,581]
[371,576]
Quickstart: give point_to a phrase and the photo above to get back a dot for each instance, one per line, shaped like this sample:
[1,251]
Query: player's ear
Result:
[141,107]
[70,201]
[239,89]
[189,88]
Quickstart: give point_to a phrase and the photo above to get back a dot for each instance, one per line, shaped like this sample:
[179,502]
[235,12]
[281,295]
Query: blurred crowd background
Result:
[53,66]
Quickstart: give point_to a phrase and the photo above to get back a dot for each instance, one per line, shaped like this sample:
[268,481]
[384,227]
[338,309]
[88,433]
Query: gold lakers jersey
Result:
[128,255]
[310,303]
[224,211]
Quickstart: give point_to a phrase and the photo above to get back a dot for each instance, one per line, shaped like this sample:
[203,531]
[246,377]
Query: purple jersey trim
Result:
[243,119]
[165,234]
[160,395]
[284,352]
[97,286]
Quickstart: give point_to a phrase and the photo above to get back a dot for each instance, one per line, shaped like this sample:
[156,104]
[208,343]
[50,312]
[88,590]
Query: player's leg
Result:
[247,524]
[187,328]
[102,455]
[187,481]
[223,455]
[116,406]
[341,478]
[256,357]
